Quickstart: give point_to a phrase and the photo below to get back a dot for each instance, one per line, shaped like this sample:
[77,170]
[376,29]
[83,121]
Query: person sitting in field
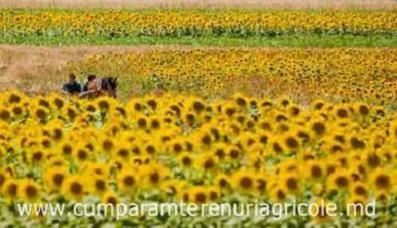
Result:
[95,87]
[72,86]
[91,87]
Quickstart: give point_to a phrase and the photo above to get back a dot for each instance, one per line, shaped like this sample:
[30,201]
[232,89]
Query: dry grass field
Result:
[22,66]
[292,4]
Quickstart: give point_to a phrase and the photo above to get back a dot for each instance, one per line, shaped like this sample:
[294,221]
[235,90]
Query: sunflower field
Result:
[240,23]
[341,74]
[215,106]
[184,148]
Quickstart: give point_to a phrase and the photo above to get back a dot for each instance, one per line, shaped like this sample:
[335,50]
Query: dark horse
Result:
[109,85]
[95,87]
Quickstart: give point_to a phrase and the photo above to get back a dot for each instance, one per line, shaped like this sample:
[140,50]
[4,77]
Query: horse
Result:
[95,87]
[109,85]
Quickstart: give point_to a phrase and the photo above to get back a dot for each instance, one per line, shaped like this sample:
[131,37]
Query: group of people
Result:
[92,87]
